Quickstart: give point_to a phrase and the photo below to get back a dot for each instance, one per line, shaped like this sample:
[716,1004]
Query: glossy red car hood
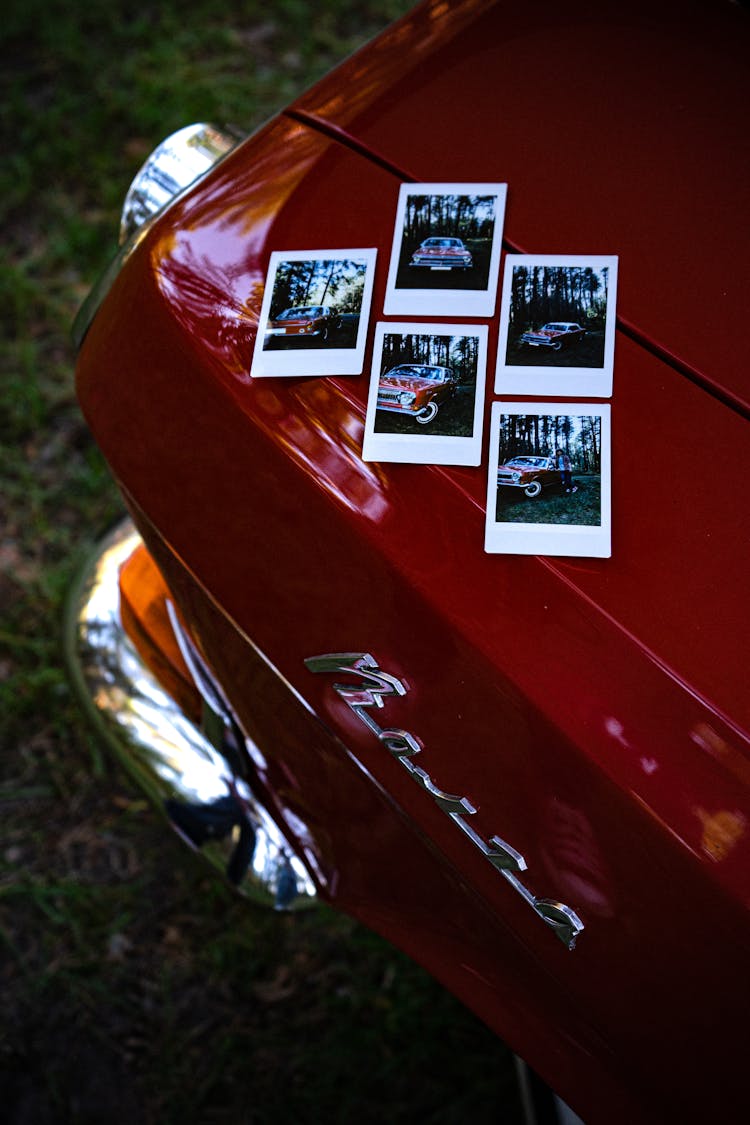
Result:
[657,173]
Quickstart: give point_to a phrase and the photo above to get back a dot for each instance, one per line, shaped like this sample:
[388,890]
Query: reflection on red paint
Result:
[572,854]
[722,831]
[316,426]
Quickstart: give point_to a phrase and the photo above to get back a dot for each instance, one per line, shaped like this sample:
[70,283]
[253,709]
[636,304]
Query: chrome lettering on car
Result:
[372,687]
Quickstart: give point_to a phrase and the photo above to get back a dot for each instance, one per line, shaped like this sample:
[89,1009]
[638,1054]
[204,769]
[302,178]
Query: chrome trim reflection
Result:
[175,164]
[193,779]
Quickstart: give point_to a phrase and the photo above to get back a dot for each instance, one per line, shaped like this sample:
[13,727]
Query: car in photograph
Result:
[531,474]
[556,335]
[532,774]
[416,389]
[442,254]
[311,321]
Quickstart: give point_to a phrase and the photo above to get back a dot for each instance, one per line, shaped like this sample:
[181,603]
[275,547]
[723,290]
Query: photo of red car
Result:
[442,254]
[556,335]
[304,322]
[416,389]
[531,474]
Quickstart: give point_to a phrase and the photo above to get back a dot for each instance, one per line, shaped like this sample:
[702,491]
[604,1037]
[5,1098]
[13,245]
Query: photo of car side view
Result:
[532,474]
[417,390]
[442,254]
[529,770]
[556,335]
[310,321]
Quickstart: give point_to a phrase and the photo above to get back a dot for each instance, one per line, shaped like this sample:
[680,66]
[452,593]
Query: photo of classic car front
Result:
[555,335]
[416,389]
[532,474]
[442,254]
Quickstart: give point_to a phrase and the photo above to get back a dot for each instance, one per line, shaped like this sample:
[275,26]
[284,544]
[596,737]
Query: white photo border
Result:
[426,448]
[313,361]
[550,539]
[562,382]
[445,302]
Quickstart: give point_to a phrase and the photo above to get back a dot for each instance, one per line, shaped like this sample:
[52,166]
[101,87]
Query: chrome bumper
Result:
[188,775]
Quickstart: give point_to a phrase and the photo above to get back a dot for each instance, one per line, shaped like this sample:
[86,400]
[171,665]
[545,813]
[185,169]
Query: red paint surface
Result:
[595,712]
[620,128]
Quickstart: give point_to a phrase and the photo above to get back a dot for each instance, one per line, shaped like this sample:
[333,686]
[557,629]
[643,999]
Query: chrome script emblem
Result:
[372,686]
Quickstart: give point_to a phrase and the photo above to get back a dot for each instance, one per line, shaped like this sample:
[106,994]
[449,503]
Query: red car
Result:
[532,474]
[302,321]
[555,335]
[416,389]
[532,774]
[442,253]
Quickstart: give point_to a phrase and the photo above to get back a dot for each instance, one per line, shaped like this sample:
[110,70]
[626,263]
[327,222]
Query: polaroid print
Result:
[557,325]
[548,491]
[315,313]
[445,259]
[426,399]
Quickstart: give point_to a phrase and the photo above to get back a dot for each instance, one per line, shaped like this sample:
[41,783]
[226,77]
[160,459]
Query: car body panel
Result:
[570,203]
[594,712]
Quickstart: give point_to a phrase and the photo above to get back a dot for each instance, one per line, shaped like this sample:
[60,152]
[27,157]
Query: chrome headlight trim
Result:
[174,166]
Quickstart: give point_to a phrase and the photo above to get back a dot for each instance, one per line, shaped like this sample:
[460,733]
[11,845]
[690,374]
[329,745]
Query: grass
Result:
[581,508]
[134,989]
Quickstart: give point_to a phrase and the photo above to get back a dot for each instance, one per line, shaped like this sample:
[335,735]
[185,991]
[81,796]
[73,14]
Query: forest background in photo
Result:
[468,217]
[457,352]
[337,282]
[456,216]
[541,434]
[540,294]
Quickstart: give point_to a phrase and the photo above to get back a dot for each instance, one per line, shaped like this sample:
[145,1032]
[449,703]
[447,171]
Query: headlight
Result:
[516,477]
[174,165]
[171,168]
[406,398]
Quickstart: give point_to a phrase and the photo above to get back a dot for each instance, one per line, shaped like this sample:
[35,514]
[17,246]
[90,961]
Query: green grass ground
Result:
[133,989]
[581,508]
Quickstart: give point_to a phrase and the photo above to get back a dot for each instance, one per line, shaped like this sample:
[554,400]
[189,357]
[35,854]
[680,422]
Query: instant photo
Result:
[446,250]
[315,313]
[426,395]
[548,490]
[557,325]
